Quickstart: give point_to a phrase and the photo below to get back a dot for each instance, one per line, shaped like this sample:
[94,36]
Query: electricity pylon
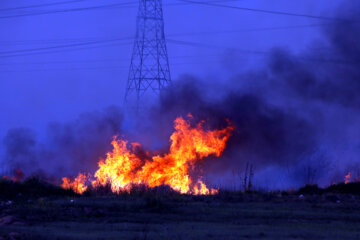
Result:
[149,70]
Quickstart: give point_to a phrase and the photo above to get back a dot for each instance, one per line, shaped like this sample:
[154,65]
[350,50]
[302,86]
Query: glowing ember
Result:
[18,176]
[122,168]
[348,178]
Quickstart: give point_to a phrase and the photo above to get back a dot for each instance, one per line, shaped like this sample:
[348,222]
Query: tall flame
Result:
[123,167]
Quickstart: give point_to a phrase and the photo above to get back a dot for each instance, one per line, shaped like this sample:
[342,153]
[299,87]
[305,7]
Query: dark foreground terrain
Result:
[159,215]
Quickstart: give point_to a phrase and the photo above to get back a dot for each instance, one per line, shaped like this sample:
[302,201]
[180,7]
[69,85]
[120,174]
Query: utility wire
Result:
[39,5]
[250,30]
[100,60]
[212,1]
[69,40]
[262,10]
[62,46]
[28,52]
[50,41]
[106,6]
[96,68]
[63,50]
[69,10]
[257,52]
[195,44]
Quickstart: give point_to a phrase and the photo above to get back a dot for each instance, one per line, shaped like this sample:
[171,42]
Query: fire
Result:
[203,190]
[18,176]
[189,145]
[78,185]
[348,178]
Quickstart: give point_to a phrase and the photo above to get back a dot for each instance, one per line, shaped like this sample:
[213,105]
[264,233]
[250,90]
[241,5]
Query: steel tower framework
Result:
[149,70]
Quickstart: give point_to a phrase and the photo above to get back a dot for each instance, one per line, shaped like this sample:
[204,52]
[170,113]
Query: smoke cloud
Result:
[67,148]
[296,119]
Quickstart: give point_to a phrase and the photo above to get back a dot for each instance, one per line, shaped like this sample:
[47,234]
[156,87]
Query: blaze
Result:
[188,146]
[78,185]
[348,178]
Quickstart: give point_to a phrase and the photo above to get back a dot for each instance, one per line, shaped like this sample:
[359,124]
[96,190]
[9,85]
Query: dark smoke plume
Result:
[297,118]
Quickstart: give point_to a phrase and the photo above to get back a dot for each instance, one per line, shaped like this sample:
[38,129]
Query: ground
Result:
[152,216]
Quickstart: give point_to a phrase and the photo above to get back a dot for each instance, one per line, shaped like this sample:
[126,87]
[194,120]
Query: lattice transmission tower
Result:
[149,70]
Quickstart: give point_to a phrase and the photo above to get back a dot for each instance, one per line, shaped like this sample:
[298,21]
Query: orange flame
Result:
[78,185]
[122,168]
[348,178]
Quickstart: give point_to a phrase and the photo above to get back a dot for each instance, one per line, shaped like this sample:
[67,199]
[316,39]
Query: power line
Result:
[50,41]
[130,38]
[39,5]
[257,52]
[213,3]
[69,10]
[98,60]
[29,52]
[132,4]
[62,46]
[65,40]
[98,68]
[174,64]
[250,30]
[262,10]
[63,50]
[196,44]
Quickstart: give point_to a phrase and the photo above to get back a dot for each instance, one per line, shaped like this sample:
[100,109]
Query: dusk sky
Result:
[58,84]
[180,119]
[285,73]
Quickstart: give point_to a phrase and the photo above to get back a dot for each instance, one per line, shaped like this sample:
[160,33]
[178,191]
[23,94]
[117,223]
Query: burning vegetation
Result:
[125,167]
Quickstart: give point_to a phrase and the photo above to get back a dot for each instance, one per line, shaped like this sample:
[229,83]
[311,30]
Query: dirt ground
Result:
[227,216]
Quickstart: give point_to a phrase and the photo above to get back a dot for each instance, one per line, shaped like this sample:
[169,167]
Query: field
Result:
[148,215]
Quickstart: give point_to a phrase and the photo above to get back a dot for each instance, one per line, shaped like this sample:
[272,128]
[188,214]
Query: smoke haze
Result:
[296,119]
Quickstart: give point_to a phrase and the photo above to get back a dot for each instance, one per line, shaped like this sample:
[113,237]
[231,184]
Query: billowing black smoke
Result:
[264,135]
[262,132]
[296,119]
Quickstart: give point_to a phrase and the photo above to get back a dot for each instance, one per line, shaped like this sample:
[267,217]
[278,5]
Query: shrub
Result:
[310,189]
[349,188]
[31,188]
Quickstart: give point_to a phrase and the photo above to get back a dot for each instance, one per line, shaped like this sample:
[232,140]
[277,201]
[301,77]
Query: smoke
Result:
[263,132]
[296,118]
[20,148]
[67,148]
[265,135]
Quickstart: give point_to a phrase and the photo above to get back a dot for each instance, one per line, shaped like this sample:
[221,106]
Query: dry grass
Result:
[156,215]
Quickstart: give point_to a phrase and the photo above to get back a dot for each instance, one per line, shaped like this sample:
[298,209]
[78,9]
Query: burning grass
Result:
[156,196]
[124,168]
[33,188]
[34,209]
